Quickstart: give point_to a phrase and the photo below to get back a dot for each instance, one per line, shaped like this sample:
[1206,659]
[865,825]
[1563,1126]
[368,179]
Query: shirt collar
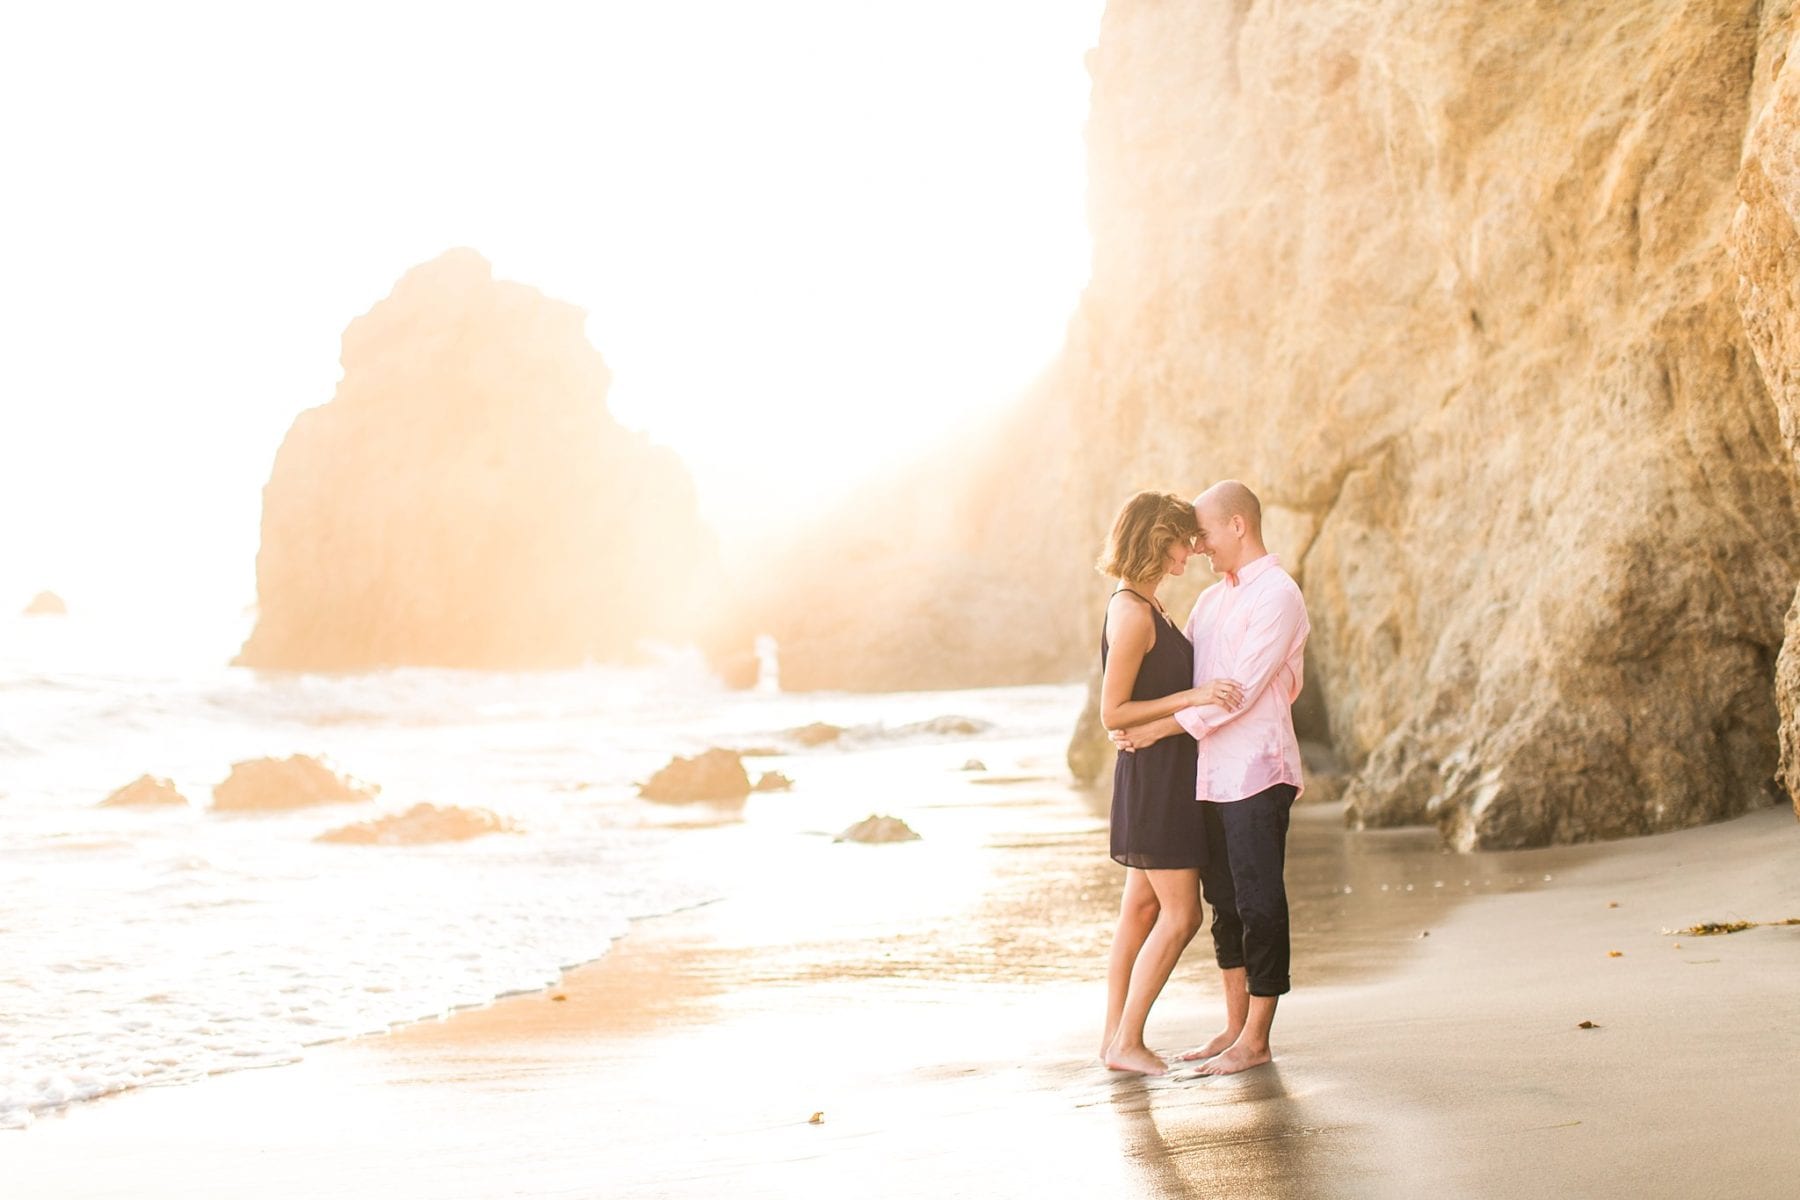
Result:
[1250,570]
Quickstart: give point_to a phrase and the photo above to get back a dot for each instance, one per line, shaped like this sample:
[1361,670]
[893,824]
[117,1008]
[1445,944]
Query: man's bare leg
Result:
[1178,893]
[1236,982]
[1251,1049]
[1138,907]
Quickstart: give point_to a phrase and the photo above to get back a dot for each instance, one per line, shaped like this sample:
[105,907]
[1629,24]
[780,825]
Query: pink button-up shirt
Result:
[1249,627]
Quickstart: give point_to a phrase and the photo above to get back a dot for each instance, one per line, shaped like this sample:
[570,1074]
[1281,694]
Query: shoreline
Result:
[938,1002]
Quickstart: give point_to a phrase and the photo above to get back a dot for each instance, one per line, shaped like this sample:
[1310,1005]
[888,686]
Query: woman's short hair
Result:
[1142,533]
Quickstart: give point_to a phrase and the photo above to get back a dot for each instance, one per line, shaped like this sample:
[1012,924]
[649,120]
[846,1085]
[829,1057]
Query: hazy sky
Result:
[808,235]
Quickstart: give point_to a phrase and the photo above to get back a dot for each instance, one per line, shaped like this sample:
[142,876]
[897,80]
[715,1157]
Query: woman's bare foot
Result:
[1134,1058]
[1238,1058]
[1221,1042]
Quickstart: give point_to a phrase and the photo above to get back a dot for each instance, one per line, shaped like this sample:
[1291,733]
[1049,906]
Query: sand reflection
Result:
[1246,1135]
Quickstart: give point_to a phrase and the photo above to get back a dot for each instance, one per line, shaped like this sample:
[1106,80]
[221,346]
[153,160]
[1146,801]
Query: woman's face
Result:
[1175,561]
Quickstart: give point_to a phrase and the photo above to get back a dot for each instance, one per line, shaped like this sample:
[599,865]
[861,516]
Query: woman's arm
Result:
[1136,737]
[1130,632]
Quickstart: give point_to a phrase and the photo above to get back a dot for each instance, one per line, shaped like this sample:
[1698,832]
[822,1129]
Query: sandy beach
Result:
[937,1003]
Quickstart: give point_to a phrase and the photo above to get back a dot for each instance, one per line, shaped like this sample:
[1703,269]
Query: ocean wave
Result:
[234,943]
[944,728]
[228,974]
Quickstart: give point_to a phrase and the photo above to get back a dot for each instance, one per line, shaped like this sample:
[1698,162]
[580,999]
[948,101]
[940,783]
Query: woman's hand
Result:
[1135,738]
[1223,692]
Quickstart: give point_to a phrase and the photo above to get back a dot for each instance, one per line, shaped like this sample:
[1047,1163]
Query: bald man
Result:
[1249,627]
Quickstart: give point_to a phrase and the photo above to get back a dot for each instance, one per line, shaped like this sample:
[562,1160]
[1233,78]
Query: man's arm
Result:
[1136,737]
[1274,624]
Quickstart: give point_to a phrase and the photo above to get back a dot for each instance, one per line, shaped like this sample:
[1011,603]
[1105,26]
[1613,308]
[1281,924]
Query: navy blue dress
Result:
[1156,820]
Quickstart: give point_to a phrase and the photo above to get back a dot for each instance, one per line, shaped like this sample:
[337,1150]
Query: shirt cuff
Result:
[1190,720]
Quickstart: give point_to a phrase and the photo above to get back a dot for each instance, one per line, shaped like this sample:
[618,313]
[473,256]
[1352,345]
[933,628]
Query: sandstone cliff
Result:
[1766,248]
[1449,285]
[466,500]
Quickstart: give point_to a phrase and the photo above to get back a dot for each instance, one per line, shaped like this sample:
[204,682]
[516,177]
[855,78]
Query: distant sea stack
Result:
[1495,306]
[466,500]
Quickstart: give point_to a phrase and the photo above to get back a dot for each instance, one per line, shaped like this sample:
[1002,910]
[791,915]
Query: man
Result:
[1250,627]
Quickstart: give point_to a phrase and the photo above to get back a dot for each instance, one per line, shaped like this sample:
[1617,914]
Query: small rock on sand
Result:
[714,775]
[878,829]
[773,781]
[145,791]
[276,784]
[46,604]
[419,825]
[974,764]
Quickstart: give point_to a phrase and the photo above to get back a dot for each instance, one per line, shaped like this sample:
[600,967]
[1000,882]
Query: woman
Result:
[1148,674]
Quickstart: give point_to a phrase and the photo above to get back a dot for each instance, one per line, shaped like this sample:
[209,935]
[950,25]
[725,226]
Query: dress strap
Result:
[1154,606]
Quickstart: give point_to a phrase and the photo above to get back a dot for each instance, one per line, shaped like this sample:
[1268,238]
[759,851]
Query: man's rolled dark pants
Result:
[1246,853]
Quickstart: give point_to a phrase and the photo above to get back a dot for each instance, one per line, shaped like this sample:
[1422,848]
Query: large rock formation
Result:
[1449,286]
[1458,287]
[466,500]
[1765,244]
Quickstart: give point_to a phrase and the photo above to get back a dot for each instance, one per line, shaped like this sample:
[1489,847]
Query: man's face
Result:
[1219,541]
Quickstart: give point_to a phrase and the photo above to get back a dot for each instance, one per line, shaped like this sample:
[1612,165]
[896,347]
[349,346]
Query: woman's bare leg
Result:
[1177,921]
[1138,907]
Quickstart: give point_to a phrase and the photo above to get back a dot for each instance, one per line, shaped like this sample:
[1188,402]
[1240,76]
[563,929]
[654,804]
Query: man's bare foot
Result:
[1221,1042]
[1238,1058]
[1135,1058]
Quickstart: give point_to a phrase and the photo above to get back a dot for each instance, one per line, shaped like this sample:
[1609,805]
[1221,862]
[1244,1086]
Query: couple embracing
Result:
[1209,767]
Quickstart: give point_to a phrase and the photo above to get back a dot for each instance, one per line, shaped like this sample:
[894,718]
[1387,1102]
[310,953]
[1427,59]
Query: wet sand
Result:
[938,1003]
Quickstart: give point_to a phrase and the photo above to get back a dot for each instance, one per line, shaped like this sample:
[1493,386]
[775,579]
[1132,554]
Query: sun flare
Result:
[809,238]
